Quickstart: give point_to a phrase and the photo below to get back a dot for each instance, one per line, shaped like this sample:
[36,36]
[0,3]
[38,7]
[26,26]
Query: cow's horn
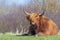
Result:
[26,13]
[42,13]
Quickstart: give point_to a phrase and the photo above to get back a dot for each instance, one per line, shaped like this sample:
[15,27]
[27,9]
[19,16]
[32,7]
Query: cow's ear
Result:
[28,17]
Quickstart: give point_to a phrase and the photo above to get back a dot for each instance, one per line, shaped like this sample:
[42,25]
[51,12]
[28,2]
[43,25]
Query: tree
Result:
[50,5]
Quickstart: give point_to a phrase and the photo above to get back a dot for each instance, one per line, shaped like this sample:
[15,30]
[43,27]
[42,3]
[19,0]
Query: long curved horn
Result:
[26,13]
[43,13]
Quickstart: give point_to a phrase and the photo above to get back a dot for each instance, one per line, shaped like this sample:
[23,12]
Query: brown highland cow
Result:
[41,25]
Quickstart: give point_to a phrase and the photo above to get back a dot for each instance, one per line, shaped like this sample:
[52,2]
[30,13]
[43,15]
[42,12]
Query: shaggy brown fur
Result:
[43,26]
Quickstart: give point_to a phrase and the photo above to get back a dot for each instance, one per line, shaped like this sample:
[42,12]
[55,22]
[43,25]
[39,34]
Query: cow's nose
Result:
[33,23]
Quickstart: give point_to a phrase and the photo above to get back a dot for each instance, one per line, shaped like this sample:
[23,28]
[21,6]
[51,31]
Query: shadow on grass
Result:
[25,35]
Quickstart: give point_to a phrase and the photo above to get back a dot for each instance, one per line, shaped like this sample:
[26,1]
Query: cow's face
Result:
[33,18]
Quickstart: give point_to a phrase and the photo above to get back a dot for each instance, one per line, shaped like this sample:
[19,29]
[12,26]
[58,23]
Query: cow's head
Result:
[33,17]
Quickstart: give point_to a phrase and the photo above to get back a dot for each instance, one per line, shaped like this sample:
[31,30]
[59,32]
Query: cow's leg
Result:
[40,34]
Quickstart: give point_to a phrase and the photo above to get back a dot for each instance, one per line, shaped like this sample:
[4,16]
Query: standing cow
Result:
[42,25]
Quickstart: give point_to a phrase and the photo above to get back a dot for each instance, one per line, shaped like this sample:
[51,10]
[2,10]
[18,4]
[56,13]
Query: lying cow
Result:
[42,25]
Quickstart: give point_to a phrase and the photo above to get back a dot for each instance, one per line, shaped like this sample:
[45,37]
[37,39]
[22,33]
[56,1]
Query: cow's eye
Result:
[35,16]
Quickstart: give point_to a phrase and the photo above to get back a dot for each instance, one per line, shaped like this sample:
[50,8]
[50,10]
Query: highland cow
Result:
[42,25]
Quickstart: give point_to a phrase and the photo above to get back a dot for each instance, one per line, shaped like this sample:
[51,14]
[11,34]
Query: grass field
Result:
[18,37]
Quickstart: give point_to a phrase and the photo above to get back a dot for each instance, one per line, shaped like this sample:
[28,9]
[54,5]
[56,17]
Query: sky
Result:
[18,2]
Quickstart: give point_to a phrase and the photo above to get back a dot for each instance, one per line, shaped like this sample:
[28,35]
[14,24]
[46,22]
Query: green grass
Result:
[18,37]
